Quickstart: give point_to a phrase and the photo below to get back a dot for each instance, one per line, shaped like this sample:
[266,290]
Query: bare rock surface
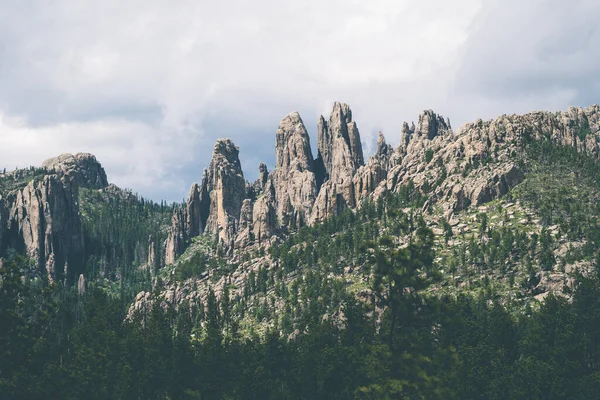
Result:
[82,166]
[294,177]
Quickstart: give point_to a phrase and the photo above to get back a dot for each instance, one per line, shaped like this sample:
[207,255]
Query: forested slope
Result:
[460,265]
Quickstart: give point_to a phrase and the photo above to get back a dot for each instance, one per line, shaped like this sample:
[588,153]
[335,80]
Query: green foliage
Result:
[428,156]
[399,276]
[195,266]
[19,178]
[57,344]
[117,228]
[298,331]
[563,187]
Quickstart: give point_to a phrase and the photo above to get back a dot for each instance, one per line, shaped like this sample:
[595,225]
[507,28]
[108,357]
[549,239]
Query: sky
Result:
[148,86]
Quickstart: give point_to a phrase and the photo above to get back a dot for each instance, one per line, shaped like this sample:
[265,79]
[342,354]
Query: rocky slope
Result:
[482,168]
[458,172]
[472,166]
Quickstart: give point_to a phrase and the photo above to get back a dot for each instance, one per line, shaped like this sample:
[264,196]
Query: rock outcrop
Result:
[224,182]
[263,175]
[245,234]
[369,176]
[42,220]
[177,238]
[294,177]
[214,206]
[83,167]
[152,255]
[197,212]
[340,155]
[265,215]
[339,142]
[475,165]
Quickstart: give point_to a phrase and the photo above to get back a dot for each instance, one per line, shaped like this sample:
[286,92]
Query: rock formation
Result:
[369,176]
[339,142]
[340,154]
[226,187]
[265,214]
[450,168]
[83,167]
[42,220]
[263,175]
[245,234]
[152,259]
[195,211]
[81,286]
[177,238]
[294,177]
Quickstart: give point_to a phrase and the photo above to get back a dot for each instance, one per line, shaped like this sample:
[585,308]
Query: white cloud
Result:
[148,85]
[137,155]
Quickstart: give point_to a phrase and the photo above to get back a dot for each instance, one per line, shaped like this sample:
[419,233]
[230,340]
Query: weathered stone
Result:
[152,259]
[265,215]
[83,167]
[245,234]
[81,286]
[194,204]
[369,176]
[340,150]
[294,177]
[177,237]
[263,175]
[42,220]
[225,186]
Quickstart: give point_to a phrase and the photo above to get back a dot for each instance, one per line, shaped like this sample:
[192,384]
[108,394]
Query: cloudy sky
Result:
[147,85]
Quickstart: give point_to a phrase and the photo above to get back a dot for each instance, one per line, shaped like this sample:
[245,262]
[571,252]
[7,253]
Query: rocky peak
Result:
[339,135]
[225,185]
[293,144]
[295,182]
[431,125]
[407,133]
[263,175]
[369,176]
[82,166]
[214,206]
[340,156]
[383,149]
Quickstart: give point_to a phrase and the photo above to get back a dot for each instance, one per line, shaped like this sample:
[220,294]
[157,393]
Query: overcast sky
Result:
[147,86]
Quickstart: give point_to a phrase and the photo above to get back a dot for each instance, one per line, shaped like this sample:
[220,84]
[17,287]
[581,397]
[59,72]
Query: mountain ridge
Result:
[306,190]
[476,164]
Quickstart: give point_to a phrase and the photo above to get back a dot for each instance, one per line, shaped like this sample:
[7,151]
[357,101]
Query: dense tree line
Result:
[118,230]
[314,338]
[55,343]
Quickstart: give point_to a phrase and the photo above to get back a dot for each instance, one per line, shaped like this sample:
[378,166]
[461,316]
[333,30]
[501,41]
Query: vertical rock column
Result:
[294,176]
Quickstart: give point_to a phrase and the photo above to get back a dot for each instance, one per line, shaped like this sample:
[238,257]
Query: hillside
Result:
[447,267]
[512,204]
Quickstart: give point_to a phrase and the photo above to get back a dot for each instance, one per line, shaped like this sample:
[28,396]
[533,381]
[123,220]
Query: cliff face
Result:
[294,177]
[340,155]
[214,207]
[178,237]
[226,187]
[472,166]
[42,219]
